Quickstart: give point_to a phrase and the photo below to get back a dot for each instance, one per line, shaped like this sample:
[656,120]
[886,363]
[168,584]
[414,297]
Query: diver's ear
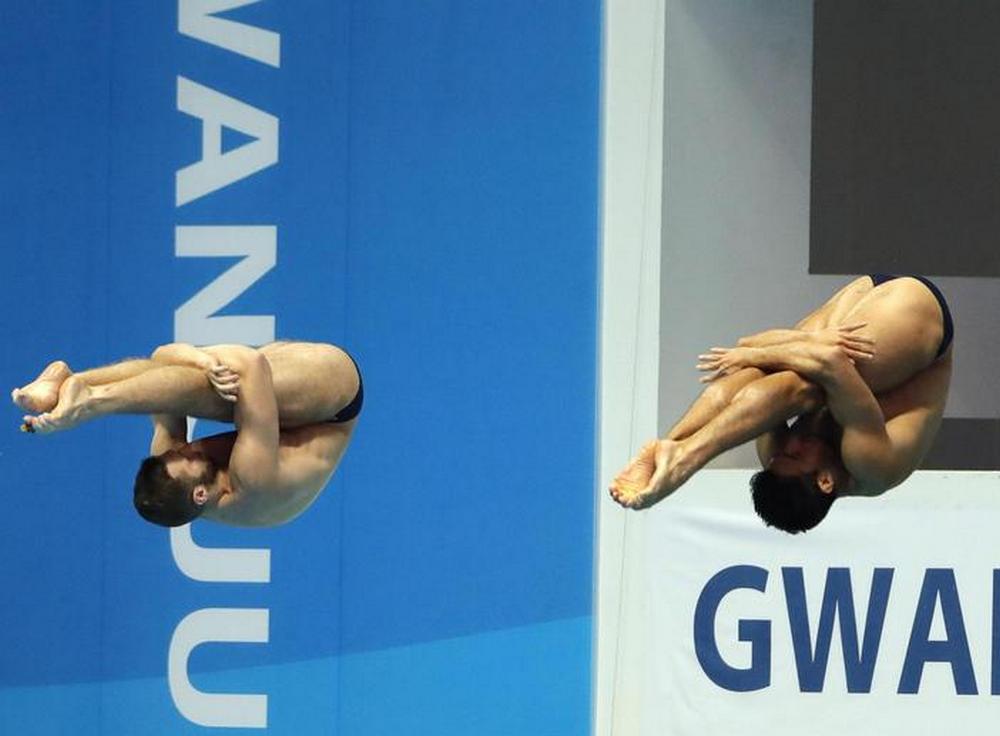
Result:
[199,495]
[826,481]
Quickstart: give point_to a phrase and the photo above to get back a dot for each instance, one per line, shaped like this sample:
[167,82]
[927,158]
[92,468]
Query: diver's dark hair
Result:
[791,503]
[161,499]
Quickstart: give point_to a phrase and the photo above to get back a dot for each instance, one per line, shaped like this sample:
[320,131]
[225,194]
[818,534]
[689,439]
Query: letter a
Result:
[939,584]
[216,169]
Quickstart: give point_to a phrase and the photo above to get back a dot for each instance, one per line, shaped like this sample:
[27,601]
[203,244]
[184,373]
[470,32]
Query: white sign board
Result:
[885,619]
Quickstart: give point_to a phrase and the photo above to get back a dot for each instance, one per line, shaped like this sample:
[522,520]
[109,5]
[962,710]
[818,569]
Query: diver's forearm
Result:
[849,398]
[169,432]
[772,337]
[810,360]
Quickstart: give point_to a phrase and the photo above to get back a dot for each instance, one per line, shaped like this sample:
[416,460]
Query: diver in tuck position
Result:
[867,377]
[295,406]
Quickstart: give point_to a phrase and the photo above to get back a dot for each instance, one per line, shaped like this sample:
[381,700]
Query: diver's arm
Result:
[848,338]
[772,337]
[866,448]
[169,432]
[253,464]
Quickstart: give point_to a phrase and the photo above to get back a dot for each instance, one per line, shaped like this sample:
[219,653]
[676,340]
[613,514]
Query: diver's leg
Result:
[712,401]
[173,390]
[42,394]
[755,409]
[312,381]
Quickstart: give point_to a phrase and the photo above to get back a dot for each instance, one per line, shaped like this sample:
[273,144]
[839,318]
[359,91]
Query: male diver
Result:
[294,404]
[867,377]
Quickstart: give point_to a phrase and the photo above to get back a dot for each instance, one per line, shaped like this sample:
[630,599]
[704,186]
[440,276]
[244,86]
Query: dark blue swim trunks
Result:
[949,327]
[354,407]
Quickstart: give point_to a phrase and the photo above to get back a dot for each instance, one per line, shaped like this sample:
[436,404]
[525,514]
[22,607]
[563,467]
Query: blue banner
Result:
[416,182]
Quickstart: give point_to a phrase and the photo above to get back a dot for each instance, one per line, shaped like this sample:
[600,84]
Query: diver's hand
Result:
[225,381]
[855,344]
[719,362]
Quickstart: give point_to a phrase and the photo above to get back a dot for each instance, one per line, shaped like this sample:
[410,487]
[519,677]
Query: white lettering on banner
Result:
[216,169]
[196,18]
[218,564]
[196,321]
[216,625]
[258,246]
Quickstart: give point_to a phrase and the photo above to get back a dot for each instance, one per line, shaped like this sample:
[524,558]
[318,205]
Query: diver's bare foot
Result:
[70,410]
[636,475]
[650,477]
[42,394]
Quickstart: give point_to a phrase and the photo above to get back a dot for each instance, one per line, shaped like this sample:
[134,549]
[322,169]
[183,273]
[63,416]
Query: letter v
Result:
[195,18]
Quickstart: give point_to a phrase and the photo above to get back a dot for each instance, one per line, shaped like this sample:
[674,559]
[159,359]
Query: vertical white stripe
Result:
[632,172]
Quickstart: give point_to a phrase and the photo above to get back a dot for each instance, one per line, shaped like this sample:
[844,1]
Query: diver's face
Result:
[185,464]
[183,468]
[798,454]
[193,467]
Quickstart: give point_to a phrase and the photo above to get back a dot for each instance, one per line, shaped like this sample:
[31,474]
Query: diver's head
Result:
[800,483]
[176,487]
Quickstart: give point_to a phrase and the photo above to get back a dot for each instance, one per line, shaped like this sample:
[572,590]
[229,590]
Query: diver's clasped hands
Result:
[854,344]
[225,381]
[719,362]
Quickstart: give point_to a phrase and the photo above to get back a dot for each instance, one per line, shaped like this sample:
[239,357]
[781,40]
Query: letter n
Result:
[258,247]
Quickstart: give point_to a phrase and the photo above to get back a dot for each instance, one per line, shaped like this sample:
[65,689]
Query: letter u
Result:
[249,625]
